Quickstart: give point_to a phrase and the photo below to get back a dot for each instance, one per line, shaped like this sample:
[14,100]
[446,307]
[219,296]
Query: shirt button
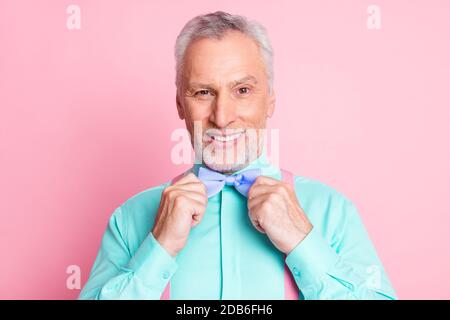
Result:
[165,275]
[295,271]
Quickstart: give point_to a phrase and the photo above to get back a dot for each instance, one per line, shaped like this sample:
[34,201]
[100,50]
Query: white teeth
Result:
[227,138]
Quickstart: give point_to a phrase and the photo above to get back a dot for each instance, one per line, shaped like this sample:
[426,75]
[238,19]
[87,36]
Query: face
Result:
[225,96]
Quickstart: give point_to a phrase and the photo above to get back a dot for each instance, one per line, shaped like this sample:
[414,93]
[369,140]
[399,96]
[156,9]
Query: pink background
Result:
[86,118]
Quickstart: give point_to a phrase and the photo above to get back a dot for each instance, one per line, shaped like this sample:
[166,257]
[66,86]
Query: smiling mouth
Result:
[224,139]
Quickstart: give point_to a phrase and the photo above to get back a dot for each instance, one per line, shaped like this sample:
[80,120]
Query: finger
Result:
[254,218]
[189,194]
[195,187]
[199,213]
[192,182]
[258,227]
[195,208]
[256,201]
[198,187]
[259,189]
[266,180]
[187,178]
[255,222]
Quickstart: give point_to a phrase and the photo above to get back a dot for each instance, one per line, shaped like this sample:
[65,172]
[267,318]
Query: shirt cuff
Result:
[310,260]
[153,264]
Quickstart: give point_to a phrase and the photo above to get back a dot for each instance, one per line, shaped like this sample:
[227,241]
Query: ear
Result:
[271,104]
[180,108]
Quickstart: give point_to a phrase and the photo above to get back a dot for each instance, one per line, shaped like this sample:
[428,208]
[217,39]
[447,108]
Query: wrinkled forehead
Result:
[225,60]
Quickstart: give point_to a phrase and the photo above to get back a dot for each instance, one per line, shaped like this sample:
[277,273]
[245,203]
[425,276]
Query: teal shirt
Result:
[225,257]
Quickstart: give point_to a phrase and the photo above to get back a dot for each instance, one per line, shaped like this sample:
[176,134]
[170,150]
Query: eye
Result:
[244,90]
[203,92]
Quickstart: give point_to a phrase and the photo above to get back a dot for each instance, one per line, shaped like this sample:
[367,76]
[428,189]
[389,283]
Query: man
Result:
[229,228]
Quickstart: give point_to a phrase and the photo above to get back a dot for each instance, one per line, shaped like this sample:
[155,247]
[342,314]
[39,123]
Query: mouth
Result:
[224,140]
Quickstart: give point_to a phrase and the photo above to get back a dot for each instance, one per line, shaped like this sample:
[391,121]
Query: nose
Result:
[224,111]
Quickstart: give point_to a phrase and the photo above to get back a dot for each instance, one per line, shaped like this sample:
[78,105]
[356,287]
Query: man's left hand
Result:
[274,210]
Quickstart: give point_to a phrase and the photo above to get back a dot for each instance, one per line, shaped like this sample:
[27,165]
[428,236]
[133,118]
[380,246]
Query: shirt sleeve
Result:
[347,269]
[116,274]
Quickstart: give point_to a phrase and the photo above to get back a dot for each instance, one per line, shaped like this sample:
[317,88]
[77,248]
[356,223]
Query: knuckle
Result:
[280,189]
[260,221]
[251,213]
[184,178]
[167,191]
[179,201]
[266,206]
[271,197]
[191,176]
[202,208]
[201,187]
[259,179]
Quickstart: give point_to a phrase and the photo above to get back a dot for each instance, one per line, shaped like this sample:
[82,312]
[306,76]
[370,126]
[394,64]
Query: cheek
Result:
[198,111]
[196,114]
[254,113]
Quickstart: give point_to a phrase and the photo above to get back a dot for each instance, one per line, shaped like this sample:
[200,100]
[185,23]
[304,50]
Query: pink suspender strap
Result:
[290,287]
[166,294]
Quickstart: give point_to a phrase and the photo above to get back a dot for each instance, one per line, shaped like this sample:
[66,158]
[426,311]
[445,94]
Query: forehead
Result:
[229,58]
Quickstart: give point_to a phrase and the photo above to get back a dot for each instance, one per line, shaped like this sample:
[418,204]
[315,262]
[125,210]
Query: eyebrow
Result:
[231,84]
[244,80]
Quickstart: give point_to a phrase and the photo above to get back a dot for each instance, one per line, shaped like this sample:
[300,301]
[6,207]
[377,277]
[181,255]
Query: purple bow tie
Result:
[215,181]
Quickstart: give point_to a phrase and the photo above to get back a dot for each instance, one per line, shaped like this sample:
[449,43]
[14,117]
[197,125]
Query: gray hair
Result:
[215,25]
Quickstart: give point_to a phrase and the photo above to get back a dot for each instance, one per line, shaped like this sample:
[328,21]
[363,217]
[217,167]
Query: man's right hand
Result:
[182,206]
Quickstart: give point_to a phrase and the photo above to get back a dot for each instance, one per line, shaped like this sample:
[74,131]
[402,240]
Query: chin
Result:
[215,161]
[224,168]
